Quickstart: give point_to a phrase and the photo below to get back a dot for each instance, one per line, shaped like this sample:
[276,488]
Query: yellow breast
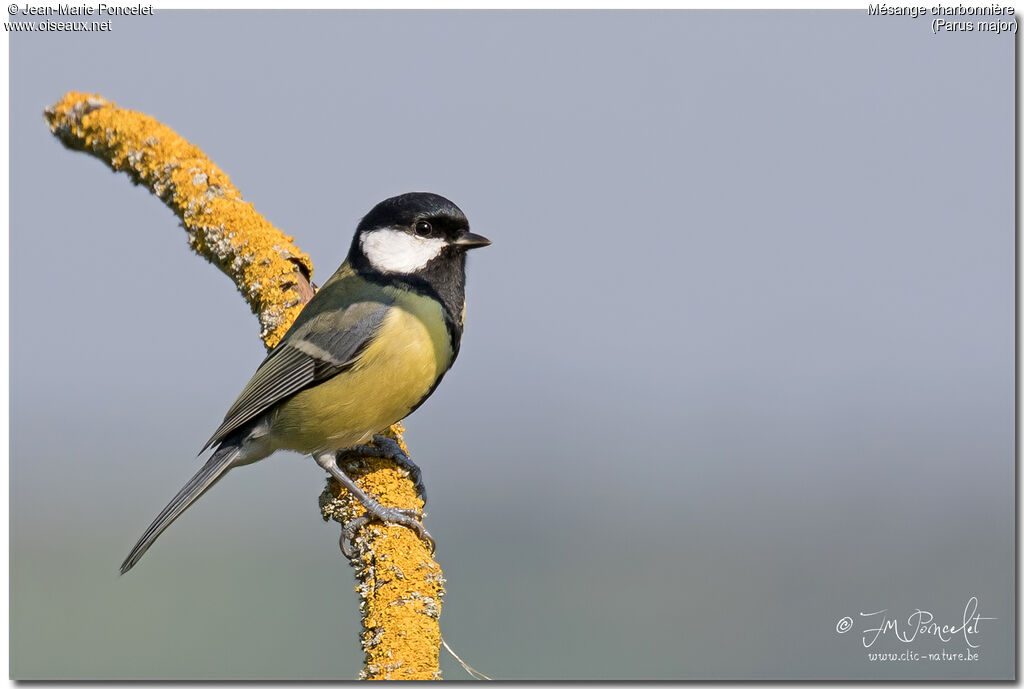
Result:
[394,372]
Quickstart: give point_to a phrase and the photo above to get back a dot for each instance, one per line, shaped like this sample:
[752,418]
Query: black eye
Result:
[424,228]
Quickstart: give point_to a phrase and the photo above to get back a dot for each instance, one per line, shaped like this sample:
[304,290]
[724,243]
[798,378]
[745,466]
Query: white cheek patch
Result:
[395,251]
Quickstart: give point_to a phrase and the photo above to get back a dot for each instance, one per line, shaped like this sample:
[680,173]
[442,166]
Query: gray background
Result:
[738,364]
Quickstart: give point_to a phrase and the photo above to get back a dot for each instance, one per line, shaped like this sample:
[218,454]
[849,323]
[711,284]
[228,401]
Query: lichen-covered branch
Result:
[399,584]
[269,270]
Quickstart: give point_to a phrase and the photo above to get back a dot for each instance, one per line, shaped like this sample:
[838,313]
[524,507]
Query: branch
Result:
[269,270]
[399,583]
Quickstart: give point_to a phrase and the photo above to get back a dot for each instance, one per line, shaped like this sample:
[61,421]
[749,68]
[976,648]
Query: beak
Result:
[471,241]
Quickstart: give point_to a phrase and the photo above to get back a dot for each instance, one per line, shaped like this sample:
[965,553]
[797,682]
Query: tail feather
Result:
[214,468]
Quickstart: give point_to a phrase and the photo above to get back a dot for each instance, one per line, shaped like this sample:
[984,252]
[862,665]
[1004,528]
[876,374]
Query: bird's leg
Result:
[388,448]
[374,510]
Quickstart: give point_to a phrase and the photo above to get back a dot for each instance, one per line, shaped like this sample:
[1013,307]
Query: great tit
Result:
[367,350]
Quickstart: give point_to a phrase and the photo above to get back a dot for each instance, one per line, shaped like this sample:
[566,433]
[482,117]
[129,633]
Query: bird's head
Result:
[413,233]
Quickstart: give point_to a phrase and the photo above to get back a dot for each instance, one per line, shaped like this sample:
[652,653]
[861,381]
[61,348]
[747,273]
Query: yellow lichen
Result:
[269,270]
[400,585]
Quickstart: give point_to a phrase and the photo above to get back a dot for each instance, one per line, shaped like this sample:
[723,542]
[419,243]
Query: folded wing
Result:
[317,348]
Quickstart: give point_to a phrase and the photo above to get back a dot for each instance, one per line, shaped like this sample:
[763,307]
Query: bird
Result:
[367,350]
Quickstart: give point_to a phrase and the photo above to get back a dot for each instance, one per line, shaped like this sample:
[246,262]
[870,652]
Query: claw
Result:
[397,517]
[374,510]
[388,448]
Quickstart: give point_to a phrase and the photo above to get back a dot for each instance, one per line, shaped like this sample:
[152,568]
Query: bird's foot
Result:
[374,510]
[389,515]
[388,448]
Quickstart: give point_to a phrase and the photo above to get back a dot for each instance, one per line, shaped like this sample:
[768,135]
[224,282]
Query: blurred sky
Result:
[739,364]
